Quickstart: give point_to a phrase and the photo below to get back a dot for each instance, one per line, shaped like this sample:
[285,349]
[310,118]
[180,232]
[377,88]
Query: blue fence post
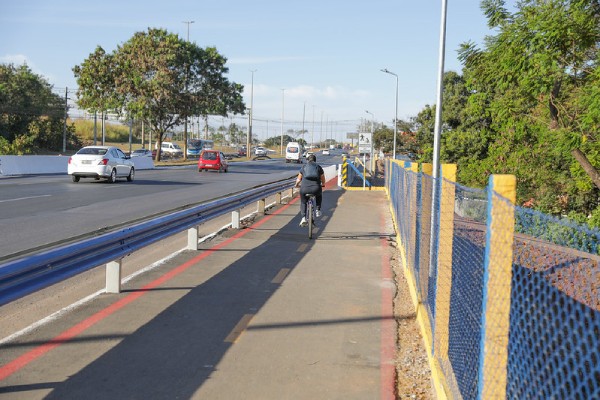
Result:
[497,277]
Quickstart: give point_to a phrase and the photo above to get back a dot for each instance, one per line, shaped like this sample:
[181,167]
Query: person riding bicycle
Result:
[311,180]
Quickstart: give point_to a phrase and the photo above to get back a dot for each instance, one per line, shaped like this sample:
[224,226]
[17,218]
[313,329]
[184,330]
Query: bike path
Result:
[259,313]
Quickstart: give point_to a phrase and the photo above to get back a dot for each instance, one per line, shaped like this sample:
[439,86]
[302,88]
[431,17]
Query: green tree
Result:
[31,115]
[160,78]
[532,94]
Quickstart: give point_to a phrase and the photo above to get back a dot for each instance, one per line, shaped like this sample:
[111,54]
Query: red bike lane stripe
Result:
[25,359]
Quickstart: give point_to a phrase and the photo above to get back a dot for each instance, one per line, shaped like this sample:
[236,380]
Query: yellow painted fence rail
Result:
[507,298]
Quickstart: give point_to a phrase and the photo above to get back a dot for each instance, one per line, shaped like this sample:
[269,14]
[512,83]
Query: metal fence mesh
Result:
[468,251]
[555,310]
[519,309]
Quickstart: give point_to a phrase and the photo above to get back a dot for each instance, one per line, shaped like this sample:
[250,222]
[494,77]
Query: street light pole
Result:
[312,138]
[282,109]
[435,196]
[249,138]
[396,112]
[185,123]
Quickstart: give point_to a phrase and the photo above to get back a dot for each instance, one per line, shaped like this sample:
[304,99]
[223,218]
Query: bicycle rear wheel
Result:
[309,217]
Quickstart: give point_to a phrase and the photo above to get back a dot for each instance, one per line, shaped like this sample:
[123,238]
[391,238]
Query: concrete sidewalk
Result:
[260,313]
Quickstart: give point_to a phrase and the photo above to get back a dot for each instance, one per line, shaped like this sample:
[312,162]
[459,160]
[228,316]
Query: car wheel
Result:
[75,178]
[131,175]
[113,176]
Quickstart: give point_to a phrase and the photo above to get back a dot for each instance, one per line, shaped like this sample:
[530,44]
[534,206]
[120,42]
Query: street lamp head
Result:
[387,71]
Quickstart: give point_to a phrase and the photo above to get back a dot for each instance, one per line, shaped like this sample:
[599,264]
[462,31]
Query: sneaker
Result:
[318,213]
[303,222]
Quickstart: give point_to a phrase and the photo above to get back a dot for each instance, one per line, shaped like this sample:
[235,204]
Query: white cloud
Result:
[17,59]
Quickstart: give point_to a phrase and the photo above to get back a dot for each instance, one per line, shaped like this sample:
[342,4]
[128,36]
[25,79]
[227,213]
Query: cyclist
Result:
[311,180]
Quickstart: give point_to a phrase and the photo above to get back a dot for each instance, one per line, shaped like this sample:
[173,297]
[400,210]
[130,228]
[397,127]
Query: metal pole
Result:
[321,131]
[396,111]
[249,138]
[436,141]
[95,127]
[312,138]
[64,146]
[185,122]
[282,110]
[130,134]
[303,117]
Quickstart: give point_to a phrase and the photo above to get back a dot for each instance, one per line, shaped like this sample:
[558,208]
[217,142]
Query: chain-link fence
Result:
[510,297]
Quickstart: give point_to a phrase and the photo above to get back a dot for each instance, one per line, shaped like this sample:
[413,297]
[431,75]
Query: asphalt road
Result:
[36,211]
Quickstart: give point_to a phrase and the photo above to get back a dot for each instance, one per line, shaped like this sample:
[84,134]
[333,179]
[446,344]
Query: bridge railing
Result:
[509,298]
[29,273]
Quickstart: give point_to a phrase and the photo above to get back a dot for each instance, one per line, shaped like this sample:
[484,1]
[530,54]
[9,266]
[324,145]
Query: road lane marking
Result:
[25,359]
[239,328]
[26,198]
[302,248]
[281,275]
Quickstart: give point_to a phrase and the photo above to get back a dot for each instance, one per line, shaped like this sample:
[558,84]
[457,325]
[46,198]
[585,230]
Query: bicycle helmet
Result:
[312,158]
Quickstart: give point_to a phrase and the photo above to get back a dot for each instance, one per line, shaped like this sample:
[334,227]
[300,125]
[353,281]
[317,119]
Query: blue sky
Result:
[326,54]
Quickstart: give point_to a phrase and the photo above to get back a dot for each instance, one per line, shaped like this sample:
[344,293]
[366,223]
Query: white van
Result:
[169,149]
[293,152]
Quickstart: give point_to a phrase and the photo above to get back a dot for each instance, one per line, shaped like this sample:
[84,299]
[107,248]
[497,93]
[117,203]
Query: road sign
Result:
[365,142]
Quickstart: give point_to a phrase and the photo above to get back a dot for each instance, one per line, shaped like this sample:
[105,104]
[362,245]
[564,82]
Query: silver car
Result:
[98,162]
[260,151]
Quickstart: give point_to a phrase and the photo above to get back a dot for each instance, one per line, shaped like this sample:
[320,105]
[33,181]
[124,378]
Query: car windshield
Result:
[209,156]
[292,149]
[93,150]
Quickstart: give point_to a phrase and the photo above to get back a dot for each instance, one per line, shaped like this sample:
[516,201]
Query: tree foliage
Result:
[32,117]
[527,104]
[160,78]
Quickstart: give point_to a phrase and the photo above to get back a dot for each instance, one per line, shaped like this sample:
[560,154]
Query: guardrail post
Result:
[113,276]
[235,219]
[192,238]
[497,276]
[260,207]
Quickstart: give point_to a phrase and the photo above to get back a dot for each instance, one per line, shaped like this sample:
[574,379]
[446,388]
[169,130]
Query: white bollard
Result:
[192,238]
[113,276]
[260,207]
[235,219]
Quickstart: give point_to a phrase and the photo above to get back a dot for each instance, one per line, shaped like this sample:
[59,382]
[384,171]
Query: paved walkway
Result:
[260,313]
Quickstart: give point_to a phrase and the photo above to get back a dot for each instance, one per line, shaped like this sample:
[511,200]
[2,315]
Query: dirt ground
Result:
[413,376]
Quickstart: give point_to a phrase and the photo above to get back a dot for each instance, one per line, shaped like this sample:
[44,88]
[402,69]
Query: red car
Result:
[212,159]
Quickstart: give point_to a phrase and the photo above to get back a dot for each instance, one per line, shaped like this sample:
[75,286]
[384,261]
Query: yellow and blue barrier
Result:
[508,299]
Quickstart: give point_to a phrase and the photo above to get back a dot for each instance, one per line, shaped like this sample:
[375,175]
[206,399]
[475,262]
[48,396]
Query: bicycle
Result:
[311,206]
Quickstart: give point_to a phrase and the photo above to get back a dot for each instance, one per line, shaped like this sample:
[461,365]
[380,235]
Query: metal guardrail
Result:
[27,274]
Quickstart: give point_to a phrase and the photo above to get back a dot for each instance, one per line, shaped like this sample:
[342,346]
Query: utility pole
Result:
[64,146]
[249,139]
[185,123]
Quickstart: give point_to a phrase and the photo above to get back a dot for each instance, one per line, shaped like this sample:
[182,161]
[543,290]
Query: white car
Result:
[260,151]
[98,162]
[326,152]
[141,153]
